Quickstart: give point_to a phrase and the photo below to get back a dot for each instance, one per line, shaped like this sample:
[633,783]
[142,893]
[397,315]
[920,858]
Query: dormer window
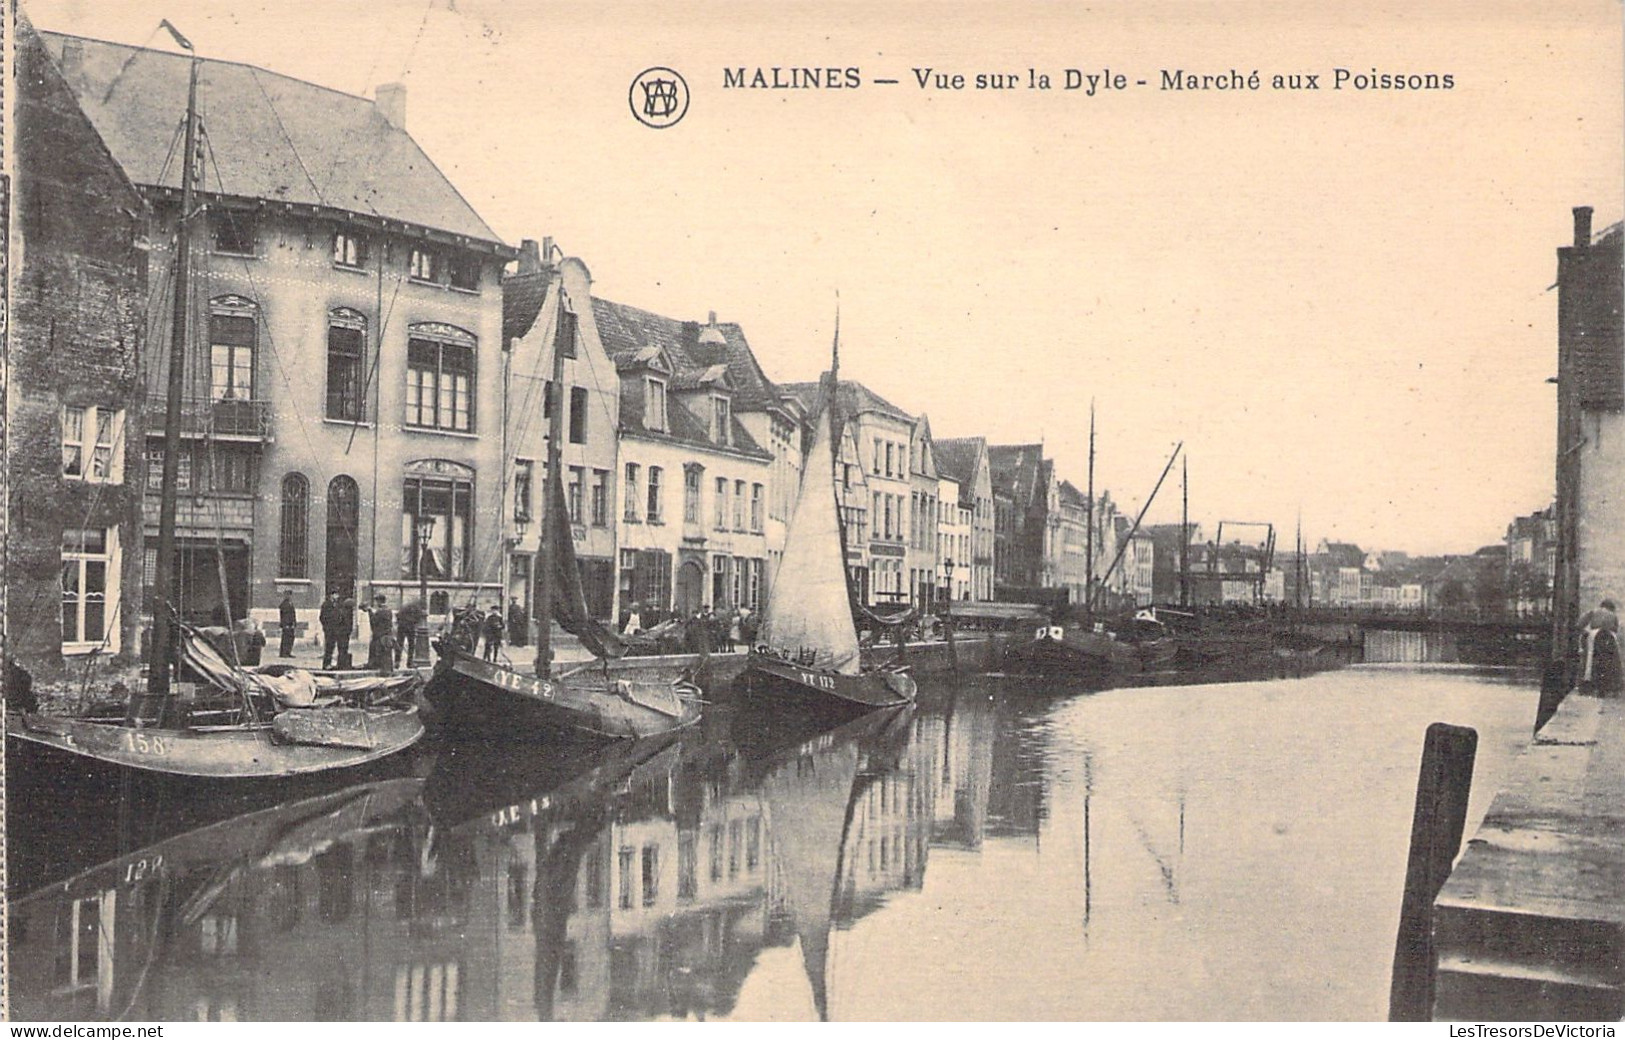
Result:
[422,265]
[654,404]
[721,421]
[349,249]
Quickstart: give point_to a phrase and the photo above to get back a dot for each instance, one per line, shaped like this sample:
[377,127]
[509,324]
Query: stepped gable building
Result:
[1590,507]
[547,306]
[694,478]
[965,460]
[77,322]
[882,434]
[344,366]
[1017,476]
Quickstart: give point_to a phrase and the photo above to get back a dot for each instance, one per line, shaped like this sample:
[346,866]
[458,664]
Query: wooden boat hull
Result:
[220,754]
[472,696]
[776,677]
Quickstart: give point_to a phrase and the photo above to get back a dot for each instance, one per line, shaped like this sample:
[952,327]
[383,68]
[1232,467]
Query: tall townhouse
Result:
[343,370]
[547,307]
[881,433]
[1590,506]
[77,324]
[953,539]
[694,481]
[965,460]
[925,497]
[1018,478]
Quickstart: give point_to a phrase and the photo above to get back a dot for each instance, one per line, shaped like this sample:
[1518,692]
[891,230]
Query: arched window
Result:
[343,520]
[294,555]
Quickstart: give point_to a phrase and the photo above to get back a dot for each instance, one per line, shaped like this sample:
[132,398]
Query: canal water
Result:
[1211,852]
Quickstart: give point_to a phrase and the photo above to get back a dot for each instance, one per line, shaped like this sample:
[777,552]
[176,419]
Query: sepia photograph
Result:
[630,512]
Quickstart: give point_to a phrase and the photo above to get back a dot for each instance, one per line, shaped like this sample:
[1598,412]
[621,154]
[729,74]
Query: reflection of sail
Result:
[808,605]
[810,798]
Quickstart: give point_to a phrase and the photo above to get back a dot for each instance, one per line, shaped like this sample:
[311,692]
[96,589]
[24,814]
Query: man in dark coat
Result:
[518,622]
[328,618]
[344,629]
[411,616]
[288,618]
[381,649]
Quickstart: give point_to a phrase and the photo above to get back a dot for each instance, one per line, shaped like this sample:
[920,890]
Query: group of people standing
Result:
[707,631]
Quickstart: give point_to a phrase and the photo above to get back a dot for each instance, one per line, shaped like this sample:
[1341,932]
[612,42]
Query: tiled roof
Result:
[1595,330]
[1015,469]
[956,456]
[855,399]
[1071,495]
[269,136]
[632,337]
[522,298]
[1345,554]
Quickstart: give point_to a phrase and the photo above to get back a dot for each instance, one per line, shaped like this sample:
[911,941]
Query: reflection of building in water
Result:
[647,899]
[967,772]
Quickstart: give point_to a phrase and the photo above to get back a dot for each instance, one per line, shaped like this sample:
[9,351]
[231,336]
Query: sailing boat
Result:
[808,643]
[491,699]
[244,726]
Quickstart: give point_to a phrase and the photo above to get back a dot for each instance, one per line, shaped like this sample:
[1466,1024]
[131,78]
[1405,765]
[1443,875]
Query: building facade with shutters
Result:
[343,382]
[77,321]
[695,483]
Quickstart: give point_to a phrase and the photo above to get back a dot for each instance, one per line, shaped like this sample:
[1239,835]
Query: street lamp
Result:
[420,637]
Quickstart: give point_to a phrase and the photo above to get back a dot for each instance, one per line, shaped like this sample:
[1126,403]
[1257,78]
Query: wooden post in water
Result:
[1442,788]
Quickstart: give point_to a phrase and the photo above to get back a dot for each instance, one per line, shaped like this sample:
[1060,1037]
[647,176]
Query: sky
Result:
[1339,301]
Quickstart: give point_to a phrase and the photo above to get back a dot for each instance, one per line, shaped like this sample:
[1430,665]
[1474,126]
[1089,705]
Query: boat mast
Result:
[835,446]
[1185,532]
[554,396]
[1089,544]
[164,629]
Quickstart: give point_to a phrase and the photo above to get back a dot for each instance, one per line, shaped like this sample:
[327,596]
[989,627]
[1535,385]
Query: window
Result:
[629,506]
[688,864]
[600,497]
[877,457]
[89,588]
[691,493]
[654,512]
[878,513]
[92,444]
[421,265]
[654,404]
[234,232]
[232,469]
[578,415]
[349,249]
[756,508]
[293,559]
[721,421]
[721,581]
[155,469]
[888,458]
[446,556]
[345,373]
[524,477]
[463,270]
[651,874]
[440,385]
[739,505]
[624,860]
[721,505]
[578,476]
[231,356]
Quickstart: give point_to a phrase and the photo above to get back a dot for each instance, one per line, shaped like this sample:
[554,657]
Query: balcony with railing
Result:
[230,418]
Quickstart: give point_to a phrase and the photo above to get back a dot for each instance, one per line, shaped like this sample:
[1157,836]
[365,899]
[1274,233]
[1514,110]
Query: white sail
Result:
[807,608]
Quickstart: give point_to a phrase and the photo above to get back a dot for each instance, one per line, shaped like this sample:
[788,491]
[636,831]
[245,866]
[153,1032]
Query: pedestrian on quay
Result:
[344,630]
[381,648]
[634,621]
[492,630]
[411,617]
[288,619]
[518,623]
[1600,670]
[328,619]
[736,630]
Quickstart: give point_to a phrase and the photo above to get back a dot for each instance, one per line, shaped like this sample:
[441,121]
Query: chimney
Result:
[390,100]
[1582,227]
[711,334]
[712,319]
[530,257]
[73,61]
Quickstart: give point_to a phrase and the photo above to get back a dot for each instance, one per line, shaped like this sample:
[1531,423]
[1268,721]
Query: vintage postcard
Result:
[812,512]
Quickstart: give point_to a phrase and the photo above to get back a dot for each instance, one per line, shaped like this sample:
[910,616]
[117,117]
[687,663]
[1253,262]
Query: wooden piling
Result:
[1442,787]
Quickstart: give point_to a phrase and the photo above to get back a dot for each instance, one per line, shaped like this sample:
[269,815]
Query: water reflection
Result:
[1120,855]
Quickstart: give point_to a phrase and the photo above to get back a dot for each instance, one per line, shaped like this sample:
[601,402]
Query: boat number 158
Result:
[142,744]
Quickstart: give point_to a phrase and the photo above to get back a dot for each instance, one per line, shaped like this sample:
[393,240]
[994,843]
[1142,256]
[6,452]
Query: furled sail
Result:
[569,597]
[807,608]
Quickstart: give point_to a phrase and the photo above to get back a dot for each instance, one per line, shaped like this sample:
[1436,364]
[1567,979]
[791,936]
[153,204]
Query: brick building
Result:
[343,372]
[1590,506]
[964,459]
[78,331]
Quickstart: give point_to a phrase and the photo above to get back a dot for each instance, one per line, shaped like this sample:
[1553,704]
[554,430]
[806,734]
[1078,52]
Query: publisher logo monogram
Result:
[659,97]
